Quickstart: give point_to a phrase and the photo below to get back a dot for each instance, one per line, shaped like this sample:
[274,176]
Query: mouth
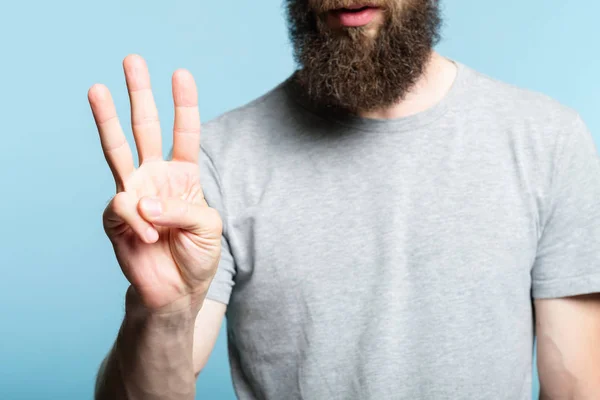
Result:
[353,16]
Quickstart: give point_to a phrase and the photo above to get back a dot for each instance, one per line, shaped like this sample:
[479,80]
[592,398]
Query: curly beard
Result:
[353,69]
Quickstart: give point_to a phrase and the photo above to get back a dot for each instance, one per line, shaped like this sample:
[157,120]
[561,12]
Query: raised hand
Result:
[166,238]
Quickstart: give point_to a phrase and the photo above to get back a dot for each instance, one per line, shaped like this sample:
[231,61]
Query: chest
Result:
[411,208]
[343,244]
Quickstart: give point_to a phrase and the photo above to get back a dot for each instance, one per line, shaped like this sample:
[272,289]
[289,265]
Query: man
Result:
[385,224]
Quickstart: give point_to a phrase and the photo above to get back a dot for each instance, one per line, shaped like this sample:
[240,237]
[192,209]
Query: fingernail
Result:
[152,206]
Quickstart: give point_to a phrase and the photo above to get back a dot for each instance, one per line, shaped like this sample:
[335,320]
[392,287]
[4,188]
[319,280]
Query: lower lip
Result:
[356,18]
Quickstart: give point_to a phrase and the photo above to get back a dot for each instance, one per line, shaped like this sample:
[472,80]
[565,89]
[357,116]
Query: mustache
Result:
[323,6]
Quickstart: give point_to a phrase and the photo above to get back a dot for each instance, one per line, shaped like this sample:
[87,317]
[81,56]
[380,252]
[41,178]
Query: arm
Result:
[162,354]
[166,239]
[568,346]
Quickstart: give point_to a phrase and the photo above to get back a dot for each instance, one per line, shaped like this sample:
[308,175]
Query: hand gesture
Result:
[165,237]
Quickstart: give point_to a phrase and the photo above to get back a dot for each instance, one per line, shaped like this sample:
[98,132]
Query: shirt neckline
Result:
[407,123]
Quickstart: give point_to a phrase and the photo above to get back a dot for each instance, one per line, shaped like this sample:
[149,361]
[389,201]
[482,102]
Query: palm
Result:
[154,268]
[164,259]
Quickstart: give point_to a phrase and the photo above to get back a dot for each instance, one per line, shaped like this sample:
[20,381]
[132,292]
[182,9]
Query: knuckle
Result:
[143,121]
[119,203]
[114,146]
[214,221]
[184,131]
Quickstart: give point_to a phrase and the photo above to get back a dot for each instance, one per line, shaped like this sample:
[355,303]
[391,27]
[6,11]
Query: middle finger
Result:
[144,115]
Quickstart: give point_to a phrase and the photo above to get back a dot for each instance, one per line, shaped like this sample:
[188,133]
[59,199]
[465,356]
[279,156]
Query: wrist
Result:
[153,346]
[181,309]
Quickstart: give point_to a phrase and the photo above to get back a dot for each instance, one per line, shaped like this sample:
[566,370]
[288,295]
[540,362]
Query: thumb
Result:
[173,212]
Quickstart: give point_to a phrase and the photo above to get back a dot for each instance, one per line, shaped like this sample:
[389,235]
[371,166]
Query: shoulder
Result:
[517,105]
[530,122]
[246,126]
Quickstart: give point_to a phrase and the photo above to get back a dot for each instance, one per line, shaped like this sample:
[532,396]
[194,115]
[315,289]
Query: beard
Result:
[354,69]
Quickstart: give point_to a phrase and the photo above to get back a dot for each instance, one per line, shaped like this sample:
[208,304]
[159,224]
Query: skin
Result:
[166,240]
[171,255]
[568,334]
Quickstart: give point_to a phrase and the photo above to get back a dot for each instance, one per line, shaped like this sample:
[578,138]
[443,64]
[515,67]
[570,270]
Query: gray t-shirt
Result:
[372,259]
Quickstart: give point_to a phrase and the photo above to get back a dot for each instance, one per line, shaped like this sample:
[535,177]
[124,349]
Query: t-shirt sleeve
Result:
[222,284]
[568,255]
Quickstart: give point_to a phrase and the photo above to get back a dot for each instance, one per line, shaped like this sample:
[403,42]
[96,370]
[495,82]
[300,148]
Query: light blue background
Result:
[61,291]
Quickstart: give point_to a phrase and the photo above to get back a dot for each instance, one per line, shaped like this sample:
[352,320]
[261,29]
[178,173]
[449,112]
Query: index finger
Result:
[114,144]
[186,130]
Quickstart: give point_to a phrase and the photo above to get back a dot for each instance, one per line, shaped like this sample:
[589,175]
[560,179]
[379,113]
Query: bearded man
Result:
[384,224]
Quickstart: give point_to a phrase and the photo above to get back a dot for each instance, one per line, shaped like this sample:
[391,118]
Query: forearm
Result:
[152,358]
